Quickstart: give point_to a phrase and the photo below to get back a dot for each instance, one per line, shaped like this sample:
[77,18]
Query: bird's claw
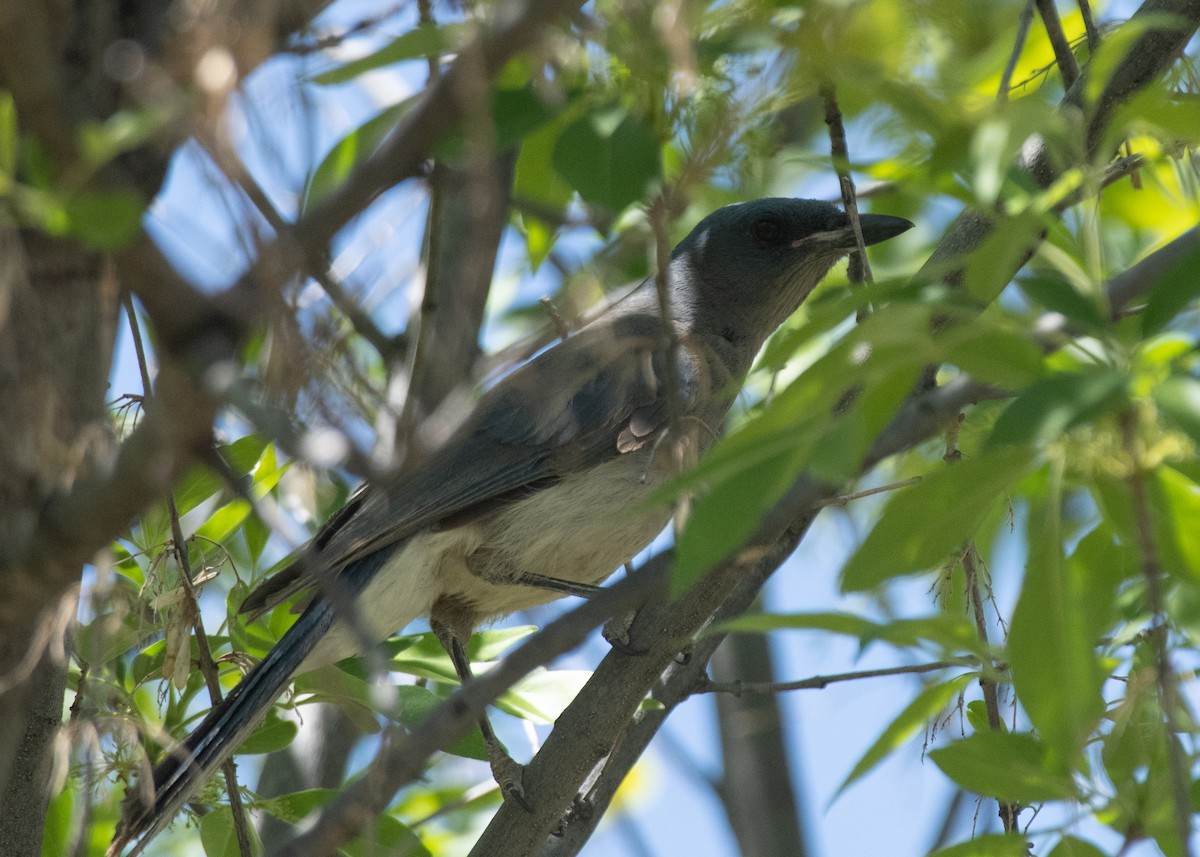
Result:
[509,775]
[616,632]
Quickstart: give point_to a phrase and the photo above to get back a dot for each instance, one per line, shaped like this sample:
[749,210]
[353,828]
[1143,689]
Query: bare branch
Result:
[820,682]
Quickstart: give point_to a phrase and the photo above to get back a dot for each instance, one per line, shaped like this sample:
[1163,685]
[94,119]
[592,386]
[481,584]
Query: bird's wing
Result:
[569,409]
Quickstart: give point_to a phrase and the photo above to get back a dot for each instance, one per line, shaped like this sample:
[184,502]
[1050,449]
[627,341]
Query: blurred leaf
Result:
[294,806]
[995,356]
[991,845]
[1048,408]
[1100,563]
[977,716]
[349,152]
[536,179]
[273,734]
[424,40]
[390,836]
[952,633]
[219,837]
[124,130]
[422,655]
[107,637]
[1069,846]
[102,219]
[992,265]
[1010,766]
[1056,294]
[1061,694]
[1175,509]
[1175,289]
[837,623]
[57,826]
[416,703]
[928,704]
[9,142]
[722,520]
[515,113]
[1178,398]
[924,524]
[609,156]
[544,694]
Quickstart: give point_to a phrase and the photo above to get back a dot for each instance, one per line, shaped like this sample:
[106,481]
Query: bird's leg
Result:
[506,770]
[616,629]
[556,584]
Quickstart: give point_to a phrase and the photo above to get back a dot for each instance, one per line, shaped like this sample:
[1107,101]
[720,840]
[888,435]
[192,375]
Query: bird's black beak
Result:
[880,227]
[875,228]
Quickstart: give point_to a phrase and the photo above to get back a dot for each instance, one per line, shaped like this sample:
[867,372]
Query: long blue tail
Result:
[191,763]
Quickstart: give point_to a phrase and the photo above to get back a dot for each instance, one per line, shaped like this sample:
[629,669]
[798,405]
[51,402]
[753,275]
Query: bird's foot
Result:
[580,810]
[616,632]
[509,775]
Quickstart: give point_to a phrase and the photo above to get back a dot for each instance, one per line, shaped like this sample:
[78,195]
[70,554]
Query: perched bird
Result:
[542,490]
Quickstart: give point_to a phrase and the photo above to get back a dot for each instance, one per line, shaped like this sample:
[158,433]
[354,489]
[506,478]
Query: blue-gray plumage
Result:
[547,476]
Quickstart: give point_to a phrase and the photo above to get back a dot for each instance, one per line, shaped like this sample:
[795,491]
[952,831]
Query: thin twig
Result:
[1089,26]
[1063,55]
[1008,811]
[843,499]
[860,269]
[191,607]
[1151,572]
[318,262]
[820,682]
[1023,24]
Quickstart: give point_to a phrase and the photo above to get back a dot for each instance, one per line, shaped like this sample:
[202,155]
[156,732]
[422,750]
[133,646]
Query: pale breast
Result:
[581,530]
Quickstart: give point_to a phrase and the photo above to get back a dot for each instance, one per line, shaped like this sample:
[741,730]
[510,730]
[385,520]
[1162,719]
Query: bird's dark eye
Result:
[767,230]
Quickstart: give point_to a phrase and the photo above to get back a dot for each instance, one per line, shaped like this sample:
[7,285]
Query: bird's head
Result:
[746,267]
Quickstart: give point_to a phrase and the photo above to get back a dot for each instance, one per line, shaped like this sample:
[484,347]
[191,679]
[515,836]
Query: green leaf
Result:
[722,520]
[1178,399]
[389,836]
[924,524]
[107,637]
[837,623]
[8,141]
[1050,407]
[928,703]
[515,113]
[1058,295]
[536,179]
[992,845]
[1099,565]
[999,256]
[1069,846]
[1175,509]
[294,806]
[103,220]
[416,703]
[273,734]
[224,520]
[543,695]
[609,156]
[425,40]
[349,152]
[1173,291]
[1061,694]
[990,354]
[952,633]
[1006,765]
[219,837]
